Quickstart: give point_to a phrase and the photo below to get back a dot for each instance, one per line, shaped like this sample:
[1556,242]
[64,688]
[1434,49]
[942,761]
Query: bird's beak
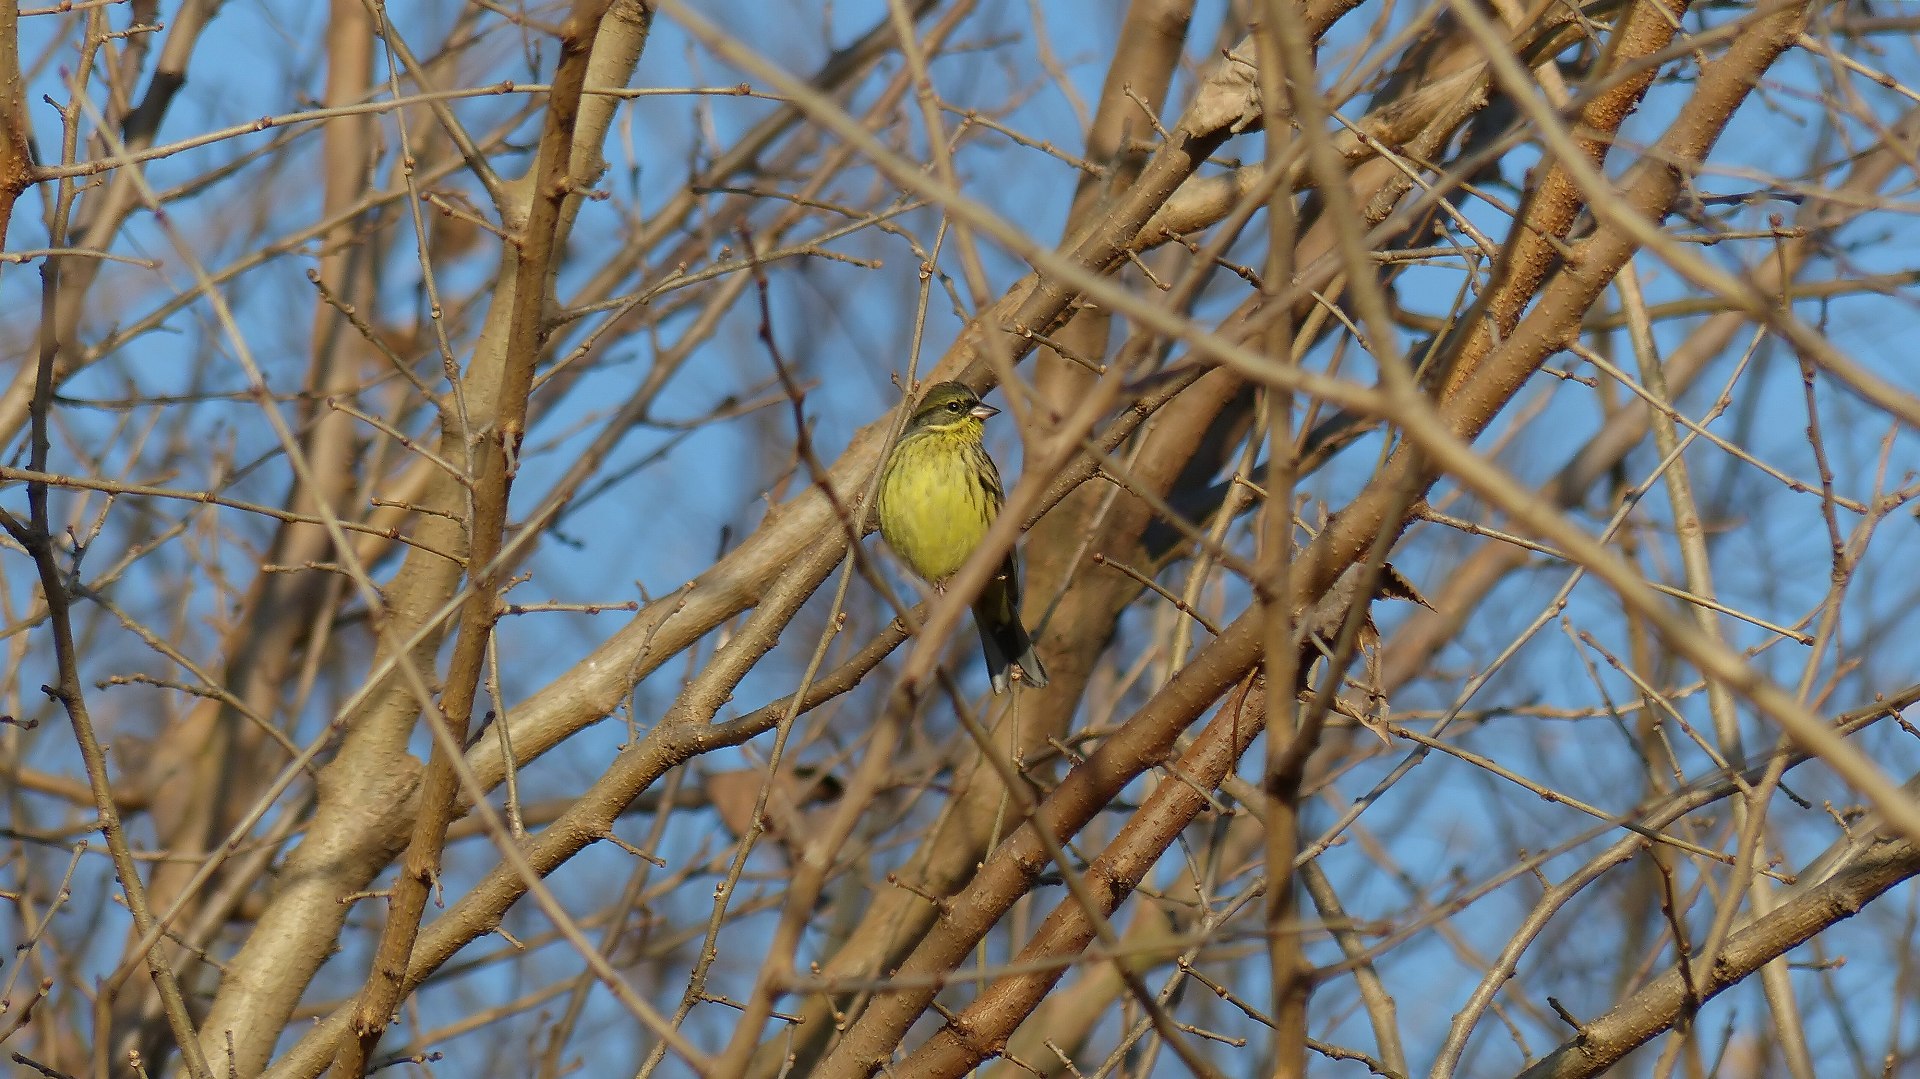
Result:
[983,412]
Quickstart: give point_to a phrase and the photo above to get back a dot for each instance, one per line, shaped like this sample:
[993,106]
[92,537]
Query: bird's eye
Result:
[954,407]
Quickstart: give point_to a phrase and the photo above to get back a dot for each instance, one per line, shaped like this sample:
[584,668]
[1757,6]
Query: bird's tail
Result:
[1002,635]
[1008,646]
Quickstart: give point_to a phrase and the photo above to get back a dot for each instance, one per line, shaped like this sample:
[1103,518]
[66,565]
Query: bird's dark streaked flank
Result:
[938,496]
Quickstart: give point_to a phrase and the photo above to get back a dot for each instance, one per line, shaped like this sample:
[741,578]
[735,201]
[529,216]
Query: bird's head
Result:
[951,408]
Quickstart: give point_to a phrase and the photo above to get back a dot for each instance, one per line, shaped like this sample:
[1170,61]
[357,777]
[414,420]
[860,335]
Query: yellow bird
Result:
[938,496]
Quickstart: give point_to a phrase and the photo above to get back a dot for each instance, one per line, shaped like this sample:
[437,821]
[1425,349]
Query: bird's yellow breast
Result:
[938,498]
